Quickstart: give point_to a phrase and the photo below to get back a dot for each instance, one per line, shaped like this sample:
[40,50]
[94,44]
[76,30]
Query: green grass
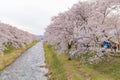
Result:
[10,55]
[74,70]
[112,68]
[55,64]
[8,50]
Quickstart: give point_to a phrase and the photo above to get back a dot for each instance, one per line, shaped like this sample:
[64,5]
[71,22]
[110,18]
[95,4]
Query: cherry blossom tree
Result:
[11,36]
[88,23]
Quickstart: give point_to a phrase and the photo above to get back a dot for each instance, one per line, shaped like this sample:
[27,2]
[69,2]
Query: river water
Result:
[27,66]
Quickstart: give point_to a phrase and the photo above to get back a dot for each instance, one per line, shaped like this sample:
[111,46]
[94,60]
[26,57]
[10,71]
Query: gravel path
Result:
[27,66]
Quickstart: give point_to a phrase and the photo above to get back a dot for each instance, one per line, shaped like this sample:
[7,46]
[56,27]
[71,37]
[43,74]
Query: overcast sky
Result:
[32,15]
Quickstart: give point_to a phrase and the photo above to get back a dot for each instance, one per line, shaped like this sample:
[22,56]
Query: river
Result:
[27,66]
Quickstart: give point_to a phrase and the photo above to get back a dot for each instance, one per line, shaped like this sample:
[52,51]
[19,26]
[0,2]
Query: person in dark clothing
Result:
[69,46]
[113,46]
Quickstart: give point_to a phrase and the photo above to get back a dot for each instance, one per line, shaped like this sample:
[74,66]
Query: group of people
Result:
[73,43]
[111,45]
[106,44]
[114,46]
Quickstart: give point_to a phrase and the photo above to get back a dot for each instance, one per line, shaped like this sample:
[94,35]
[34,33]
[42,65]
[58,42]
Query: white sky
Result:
[32,15]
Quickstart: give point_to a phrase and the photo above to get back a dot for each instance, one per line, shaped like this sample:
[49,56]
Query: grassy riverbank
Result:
[55,64]
[10,55]
[63,69]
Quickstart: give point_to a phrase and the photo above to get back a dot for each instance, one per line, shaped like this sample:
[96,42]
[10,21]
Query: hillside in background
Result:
[40,36]
[11,37]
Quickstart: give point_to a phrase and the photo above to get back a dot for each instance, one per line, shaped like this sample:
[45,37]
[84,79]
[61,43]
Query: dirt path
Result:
[27,67]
